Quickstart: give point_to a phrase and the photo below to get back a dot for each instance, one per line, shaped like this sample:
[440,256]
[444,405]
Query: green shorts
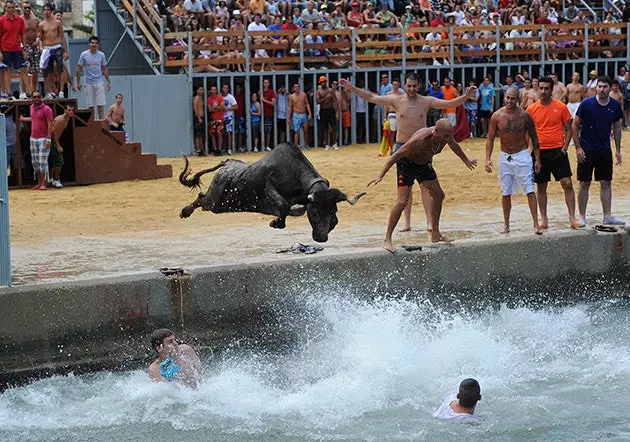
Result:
[56,158]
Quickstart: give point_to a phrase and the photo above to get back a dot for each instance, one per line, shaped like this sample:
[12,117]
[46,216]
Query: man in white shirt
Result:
[228,115]
[461,406]
[256,25]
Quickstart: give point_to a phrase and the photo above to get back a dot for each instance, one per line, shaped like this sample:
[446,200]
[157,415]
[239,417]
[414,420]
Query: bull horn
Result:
[354,200]
[311,197]
[195,181]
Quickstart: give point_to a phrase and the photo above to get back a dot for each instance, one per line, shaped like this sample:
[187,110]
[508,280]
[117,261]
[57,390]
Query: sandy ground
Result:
[130,227]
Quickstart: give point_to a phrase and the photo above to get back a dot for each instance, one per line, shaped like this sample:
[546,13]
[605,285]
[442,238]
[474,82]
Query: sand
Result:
[81,228]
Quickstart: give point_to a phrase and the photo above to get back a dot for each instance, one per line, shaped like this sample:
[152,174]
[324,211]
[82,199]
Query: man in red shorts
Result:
[216,108]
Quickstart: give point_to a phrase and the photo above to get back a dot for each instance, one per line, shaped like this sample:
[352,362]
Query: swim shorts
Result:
[298,120]
[327,118]
[346,119]
[599,160]
[408,172]
[56,60]
[553,162]
[56,157]
[197,127]
[39,155]
[229,125]
[240,125]
[33,54]
[215,127]
[516,171]
[573,107]
[391,117]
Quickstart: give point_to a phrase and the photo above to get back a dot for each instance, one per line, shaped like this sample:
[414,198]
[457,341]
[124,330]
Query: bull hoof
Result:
[186,212]
[278,223]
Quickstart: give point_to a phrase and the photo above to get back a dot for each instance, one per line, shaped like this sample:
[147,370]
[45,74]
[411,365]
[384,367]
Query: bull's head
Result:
[321,209]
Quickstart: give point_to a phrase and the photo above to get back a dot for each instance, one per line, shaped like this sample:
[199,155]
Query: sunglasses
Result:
[26,7]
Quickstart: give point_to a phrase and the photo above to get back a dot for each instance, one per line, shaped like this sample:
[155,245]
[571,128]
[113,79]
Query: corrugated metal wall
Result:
[127,60]
[158,111]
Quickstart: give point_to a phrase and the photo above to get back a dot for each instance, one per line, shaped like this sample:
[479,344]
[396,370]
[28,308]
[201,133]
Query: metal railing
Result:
[5,237]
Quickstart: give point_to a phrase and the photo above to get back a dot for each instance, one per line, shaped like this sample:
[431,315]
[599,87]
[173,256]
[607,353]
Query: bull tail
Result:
[195,181]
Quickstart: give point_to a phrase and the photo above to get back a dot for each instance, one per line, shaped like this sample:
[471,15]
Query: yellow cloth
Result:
[384,149]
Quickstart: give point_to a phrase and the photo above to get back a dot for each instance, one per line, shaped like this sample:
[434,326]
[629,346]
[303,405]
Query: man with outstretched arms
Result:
[411,115]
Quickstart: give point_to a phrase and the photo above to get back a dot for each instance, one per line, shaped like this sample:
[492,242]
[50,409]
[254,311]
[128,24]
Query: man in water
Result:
[516,167]
[592,125]
[414,163]
[59,124]
[411,115]
[462,405]
[175,362]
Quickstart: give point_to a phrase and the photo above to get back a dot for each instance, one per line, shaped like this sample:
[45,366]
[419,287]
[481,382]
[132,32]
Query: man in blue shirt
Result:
[95,65]
[597,116]
[486,90]
[433,115]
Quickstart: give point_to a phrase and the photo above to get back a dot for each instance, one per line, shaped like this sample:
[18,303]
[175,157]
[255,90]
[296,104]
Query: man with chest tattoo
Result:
[516,167]
[414,163]
[411,111]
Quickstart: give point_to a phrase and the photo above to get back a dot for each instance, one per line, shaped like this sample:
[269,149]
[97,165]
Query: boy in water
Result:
[175,362]
[462,405]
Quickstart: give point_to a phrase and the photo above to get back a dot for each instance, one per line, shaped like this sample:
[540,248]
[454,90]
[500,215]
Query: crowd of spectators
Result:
[401,15]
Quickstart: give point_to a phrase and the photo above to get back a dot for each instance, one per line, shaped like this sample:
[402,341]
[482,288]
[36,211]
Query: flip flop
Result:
[412,248]
[607,229]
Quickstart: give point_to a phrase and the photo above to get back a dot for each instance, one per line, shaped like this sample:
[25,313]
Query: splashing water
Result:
[369,371]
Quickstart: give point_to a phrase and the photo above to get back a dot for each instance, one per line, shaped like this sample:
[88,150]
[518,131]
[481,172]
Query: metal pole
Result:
[497,69]
[205,115]
[275,112]
[354,48]
[543,53]
[162,54]
[5,236]
[135,18]
[451,52]
[191,54]
[585,66]
[627,44]
[403,64]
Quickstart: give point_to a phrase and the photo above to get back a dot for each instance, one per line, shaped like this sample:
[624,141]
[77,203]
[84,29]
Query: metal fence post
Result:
[497,69]
[354,48]
[585,68]
[627,45]
[5,237]
[543,49]
[162,53]
[135,18]
[451,51]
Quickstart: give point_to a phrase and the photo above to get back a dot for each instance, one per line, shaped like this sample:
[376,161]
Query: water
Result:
[367,371]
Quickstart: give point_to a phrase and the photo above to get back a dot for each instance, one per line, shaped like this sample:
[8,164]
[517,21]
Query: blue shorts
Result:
[240,125]
[14,60]
[299,120]
[398,146]
[228,124]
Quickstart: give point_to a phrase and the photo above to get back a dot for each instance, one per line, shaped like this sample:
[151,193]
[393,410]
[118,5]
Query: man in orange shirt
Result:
[216,108]
[450,93]
[552,120]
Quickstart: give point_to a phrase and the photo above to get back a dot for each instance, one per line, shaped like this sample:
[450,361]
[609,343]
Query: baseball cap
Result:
[355,4]
[322,79]
[324,6]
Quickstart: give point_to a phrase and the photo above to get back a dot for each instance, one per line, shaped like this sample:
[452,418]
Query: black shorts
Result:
[408,172]
[120,128]
[601,161]
[14,60]
[485,114]
[553,162]
[327,118]
[55,61]
[198,128]
[626,104]
[282,125]
[268,124]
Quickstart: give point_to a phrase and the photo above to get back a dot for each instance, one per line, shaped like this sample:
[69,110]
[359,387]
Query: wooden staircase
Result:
[101,156]
[147,30]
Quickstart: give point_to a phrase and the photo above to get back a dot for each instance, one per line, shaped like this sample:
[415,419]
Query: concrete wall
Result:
[104,323]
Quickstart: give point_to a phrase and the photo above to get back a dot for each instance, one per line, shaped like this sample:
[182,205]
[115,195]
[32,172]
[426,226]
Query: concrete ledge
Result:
[46,328]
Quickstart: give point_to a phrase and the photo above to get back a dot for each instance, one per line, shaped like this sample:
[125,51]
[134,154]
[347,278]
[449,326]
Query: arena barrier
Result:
[5,236]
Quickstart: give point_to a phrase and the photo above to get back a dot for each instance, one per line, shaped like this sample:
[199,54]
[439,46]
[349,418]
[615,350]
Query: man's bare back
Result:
[575,93]
[59,124]
[513,127]
[298,102]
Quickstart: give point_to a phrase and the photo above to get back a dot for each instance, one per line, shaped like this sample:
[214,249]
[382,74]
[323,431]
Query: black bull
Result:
[283,183]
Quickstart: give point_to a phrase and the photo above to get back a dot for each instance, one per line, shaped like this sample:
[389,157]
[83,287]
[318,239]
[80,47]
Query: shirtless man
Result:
[573,95]
[591,85]
[65,77]
[31,50]
[59,124]
[411,115]
[328,112]
[54,47]
[299,114]
[116,115]
[198,123]
[516,167]
[557,93]
[174,362]
[533,94]
[615,92]
[414,163]
[391,113]
[346,116]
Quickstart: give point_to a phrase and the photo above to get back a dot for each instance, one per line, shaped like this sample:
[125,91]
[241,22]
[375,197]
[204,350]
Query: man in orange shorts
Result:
[346,120]
[552,120]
